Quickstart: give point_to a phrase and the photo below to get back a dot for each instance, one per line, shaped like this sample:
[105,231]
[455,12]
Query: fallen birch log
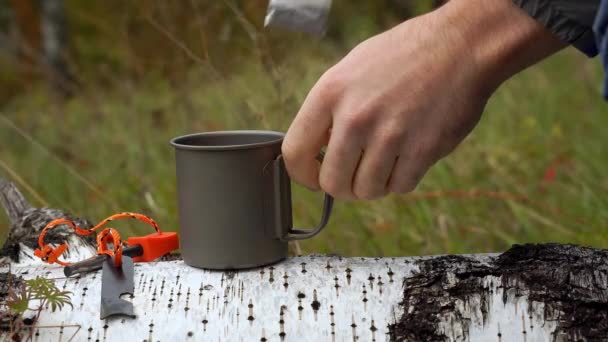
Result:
[545,292]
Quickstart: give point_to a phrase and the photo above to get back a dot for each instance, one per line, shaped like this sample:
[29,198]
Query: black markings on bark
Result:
[250,306]
[348,276]
[282,324]
[230,275]
[226,291]
[105,329]
[242,290]
[205,321]
[285,284]
[499,333]
[354,326]
[390,275]
[337,286]
[364,298]
[571,281]
[187,300]
[271,276]
[523,325]
[84,294]
[170,305]
[373,329]
[300,307]
[332,323]
[315,303]
[303,267]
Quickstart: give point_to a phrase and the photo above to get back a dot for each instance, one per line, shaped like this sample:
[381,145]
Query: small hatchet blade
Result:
[115,282]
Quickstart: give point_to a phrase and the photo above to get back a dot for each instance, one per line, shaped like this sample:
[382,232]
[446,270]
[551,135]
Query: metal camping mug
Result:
[234,200]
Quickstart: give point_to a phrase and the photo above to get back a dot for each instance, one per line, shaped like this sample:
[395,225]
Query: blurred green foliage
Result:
[533,170]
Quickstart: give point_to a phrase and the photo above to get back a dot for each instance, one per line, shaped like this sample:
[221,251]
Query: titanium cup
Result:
[234,200]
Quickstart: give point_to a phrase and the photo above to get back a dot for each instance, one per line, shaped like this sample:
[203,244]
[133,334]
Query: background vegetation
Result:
[533,170]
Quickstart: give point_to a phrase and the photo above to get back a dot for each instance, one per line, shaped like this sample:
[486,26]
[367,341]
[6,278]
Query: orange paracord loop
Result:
[111,235]
[51,255]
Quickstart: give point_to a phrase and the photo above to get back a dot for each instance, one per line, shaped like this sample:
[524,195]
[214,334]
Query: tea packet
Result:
[309,16]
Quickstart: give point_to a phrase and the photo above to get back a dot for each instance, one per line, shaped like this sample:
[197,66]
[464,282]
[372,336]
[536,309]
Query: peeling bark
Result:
[27,222]
[569,283]
[7,281]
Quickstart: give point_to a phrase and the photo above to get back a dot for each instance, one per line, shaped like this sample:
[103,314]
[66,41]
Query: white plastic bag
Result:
[308,16]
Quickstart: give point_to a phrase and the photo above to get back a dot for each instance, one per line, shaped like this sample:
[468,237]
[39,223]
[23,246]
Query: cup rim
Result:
[176,142]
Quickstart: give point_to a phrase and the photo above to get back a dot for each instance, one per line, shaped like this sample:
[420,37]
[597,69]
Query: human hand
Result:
[402,100]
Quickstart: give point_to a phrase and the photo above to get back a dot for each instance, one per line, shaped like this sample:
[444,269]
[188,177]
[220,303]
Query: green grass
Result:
[484,197]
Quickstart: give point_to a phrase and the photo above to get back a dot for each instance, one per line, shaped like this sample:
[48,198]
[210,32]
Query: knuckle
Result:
[391,137]
[330,84]
[290,151]
[356,122]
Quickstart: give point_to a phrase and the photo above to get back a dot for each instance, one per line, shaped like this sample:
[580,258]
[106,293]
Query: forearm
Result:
[501,38]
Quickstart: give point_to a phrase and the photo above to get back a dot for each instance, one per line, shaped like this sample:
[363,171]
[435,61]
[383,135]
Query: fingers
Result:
[372,175]
[357,166]
[308,133]
[407,173]
[340,163]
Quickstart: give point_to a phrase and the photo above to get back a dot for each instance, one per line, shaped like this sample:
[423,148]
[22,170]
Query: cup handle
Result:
[282,195]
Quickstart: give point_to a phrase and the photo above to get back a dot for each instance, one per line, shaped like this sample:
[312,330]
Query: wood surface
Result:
[544,292]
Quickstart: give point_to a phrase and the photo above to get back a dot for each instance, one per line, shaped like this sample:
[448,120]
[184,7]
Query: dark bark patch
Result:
[571,281]
[27,228]
[7,281]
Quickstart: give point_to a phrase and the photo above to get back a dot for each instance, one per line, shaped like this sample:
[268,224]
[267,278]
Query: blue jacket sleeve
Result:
[581,23]
[600,29]
[570,20]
